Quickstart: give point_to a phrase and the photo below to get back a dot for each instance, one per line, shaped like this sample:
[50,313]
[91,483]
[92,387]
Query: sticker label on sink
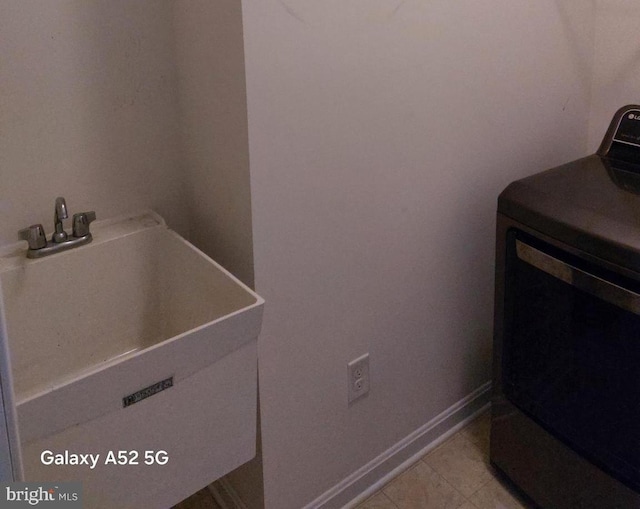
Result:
[147,391]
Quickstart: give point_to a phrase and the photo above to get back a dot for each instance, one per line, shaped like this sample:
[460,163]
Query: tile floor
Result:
[456,475]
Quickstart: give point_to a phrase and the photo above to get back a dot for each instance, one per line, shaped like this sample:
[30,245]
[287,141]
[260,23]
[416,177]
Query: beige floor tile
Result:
[458,468]
[495,496]
[422,488]
[200,500]
[478,431]
[377,501]
[462,462]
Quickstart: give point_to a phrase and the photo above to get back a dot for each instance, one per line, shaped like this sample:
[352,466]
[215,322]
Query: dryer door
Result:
[572,351]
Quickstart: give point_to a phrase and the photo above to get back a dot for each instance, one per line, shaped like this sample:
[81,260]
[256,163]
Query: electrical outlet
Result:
[358,377]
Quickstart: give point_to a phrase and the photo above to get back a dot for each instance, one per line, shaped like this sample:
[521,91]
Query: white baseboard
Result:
[379,471]
[374,475]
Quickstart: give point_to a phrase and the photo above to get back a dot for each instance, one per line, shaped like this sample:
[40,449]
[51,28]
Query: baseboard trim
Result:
[374,475]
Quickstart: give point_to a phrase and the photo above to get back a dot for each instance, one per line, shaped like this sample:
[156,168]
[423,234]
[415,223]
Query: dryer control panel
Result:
[628,130]
[622,141]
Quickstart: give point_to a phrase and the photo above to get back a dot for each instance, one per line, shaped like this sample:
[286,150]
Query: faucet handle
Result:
[34,235]
[81,222]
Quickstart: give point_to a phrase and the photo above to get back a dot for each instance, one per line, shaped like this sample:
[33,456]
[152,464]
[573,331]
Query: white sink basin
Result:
[138,306]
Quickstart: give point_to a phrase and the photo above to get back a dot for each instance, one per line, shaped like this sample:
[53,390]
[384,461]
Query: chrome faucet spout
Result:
[60,213]
[61,208]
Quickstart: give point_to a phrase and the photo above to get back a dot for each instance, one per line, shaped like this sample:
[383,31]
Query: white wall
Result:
[380,134]
[89,111]
[616,69]
[213,125]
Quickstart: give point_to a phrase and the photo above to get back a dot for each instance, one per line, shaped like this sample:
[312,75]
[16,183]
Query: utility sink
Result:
[137,331]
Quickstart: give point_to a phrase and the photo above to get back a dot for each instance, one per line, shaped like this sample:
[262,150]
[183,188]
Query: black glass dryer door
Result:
[572,353]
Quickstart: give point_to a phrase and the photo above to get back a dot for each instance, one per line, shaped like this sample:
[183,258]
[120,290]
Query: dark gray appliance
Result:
[565,423]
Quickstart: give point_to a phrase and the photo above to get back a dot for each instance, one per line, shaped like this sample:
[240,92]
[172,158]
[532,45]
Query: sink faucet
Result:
[60,240]
[61,213]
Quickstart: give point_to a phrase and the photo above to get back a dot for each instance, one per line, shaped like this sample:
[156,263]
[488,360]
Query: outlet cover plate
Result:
[358,383]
